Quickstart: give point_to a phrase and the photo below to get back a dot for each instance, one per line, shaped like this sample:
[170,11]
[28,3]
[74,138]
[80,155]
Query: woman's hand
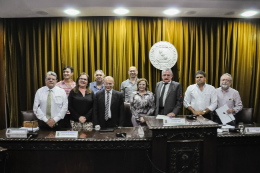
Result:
[142,120]
[82,119]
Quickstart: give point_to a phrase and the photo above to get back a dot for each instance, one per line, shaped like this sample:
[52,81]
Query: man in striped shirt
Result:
[67,84]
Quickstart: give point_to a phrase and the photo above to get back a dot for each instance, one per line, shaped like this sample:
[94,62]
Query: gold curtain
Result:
[113,44]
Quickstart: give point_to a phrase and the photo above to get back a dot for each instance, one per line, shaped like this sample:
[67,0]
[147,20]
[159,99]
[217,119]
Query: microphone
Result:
[32,134]
[120,134]
[190,117]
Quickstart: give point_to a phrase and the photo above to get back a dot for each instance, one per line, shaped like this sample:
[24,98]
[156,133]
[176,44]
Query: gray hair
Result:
[227,74]
[167,69]
[51,73]
[100,72]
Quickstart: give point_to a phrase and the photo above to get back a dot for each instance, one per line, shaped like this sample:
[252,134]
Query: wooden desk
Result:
[238,153]
[195,147]
[187,148]
[91,152]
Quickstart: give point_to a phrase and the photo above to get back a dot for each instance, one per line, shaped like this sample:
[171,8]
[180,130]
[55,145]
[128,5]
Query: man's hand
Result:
[82,119]
[196,113]
[142,120]
[51,122]
[230,111]
[171,115]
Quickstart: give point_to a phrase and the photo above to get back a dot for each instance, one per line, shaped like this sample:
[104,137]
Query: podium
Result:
[187,148]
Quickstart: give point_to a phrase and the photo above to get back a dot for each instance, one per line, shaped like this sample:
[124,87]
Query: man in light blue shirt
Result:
[98,84]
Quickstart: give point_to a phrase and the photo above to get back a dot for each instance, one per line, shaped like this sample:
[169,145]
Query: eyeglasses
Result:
[109,84]
[199,77]
[225,80]
[50,79]
[83,79]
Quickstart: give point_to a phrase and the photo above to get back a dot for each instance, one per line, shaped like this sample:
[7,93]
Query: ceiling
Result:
[152,8]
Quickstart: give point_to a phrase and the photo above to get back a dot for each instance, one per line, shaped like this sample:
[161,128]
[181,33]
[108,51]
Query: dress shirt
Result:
[110,98]
[201,100]
[94,88]
[166,91]
[59,103]
[231,98]
[127,87]
[62,84]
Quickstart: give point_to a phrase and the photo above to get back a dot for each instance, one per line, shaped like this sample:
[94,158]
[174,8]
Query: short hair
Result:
[109,77]
[100,72]
[51,73]
[69,67]
[146,82]
[134,67]
[76,88]
[227,74]
[200,72]
[167,69]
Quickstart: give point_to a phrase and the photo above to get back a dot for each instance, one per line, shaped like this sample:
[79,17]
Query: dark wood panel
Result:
[2,91]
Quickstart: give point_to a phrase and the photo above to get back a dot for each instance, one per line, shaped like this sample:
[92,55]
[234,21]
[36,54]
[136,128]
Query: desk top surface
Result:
[201,122]
[88,135]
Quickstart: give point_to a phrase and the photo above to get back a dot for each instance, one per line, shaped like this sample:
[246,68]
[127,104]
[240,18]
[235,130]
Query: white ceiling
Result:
[54,8]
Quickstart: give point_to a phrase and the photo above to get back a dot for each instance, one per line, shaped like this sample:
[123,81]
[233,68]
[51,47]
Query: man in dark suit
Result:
[168,95]
[108,106]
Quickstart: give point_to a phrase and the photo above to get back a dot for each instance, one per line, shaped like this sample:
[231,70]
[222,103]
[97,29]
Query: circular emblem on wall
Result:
[163,55]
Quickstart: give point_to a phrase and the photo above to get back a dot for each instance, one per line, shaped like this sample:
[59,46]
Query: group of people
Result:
[99,105]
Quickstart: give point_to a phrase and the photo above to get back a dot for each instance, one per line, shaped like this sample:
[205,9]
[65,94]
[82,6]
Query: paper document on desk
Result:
[223,115]
[162,117]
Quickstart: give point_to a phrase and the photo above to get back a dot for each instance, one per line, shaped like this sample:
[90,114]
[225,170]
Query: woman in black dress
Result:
[81,100]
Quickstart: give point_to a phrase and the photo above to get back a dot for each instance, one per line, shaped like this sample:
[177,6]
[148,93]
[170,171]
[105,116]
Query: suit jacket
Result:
[173,101]
[116,107]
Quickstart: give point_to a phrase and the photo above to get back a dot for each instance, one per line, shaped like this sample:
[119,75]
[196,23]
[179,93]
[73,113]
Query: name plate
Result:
[249,130]
[16,131]
[66,134]
[174,122]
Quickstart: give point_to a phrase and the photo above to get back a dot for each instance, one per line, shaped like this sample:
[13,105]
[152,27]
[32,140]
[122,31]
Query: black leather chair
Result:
[28,115]
[128,115]
[245,116]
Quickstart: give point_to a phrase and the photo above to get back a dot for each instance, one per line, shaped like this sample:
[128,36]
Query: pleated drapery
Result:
[34,46]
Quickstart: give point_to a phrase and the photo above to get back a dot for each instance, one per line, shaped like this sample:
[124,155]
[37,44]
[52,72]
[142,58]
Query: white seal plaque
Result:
[163,55]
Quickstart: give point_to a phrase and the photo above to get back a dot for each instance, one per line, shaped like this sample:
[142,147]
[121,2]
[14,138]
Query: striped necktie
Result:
[107,106]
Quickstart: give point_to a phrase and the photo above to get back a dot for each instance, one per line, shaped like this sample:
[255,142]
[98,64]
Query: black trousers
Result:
[44,126]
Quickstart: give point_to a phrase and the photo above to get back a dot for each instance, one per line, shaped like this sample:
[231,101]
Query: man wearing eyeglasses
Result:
[108,106]
[229,96]
[50,103]
[168,95]
[201,98]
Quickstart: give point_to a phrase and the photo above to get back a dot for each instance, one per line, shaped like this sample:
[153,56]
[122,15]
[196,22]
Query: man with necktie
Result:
[168,95]
[50,103]
[108,106]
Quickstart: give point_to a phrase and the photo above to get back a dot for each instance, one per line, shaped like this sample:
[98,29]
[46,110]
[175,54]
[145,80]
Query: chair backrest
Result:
[128,115]
[245,116]
[28,115]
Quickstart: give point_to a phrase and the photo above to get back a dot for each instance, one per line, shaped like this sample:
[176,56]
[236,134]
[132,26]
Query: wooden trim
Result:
[2,77]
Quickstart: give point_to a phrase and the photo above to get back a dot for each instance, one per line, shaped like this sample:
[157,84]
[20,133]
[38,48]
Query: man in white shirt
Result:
[50,103]
[201,98]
